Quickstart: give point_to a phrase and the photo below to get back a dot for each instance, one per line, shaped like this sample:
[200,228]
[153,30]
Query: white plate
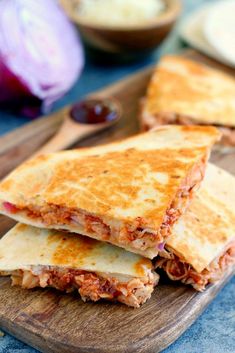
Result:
[193,32]
[219,29]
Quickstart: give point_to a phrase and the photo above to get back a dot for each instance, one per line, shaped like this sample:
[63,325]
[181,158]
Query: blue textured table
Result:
[214,331]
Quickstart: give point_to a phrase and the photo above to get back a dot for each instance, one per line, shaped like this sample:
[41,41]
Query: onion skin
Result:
[41,55]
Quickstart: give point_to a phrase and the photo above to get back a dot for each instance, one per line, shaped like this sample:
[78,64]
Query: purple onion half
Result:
[41,55]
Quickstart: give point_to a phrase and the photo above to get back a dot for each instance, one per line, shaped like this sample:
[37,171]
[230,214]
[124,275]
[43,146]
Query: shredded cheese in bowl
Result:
[119,13]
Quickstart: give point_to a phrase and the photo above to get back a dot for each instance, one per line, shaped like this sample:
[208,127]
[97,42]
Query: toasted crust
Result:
[205,231]
[184,87]
[36,257]
[25,246]
[136,177]
[128,184]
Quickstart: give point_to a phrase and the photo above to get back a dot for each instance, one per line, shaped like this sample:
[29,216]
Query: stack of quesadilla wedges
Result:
[92,219]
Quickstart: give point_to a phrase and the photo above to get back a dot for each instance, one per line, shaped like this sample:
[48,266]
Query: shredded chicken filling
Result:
[228,133]
[140,238]
[90,285]
[178,270]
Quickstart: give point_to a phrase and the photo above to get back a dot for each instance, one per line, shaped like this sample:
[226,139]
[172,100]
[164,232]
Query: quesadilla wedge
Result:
[186,92]
[35,257]
[127,193]
[202,246]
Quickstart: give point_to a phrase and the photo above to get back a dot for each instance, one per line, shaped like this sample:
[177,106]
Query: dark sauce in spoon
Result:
[94,111]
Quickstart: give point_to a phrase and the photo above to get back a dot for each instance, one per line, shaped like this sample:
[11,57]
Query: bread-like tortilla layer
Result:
[128,193]
[182,91]
[37,257]
[186,87]
[202,245]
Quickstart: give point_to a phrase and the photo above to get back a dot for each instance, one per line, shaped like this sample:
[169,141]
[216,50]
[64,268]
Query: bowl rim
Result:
[169,15]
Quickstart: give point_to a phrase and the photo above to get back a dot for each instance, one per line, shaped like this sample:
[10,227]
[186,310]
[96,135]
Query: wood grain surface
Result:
[54,322]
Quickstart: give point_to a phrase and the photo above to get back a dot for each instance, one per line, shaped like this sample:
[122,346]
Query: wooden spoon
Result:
[81,120]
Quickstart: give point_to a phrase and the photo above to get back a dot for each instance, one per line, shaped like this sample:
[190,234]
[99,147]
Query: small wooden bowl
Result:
[129,40]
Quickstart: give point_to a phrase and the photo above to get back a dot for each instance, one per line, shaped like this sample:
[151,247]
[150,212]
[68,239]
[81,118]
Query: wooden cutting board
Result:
[60,323]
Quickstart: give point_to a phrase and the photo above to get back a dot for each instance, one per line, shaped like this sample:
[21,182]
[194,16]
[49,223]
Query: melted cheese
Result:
[119,12]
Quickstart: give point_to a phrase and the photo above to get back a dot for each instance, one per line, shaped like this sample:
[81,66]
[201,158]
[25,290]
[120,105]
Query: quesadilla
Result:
[127,193]
[35,257]
[186,92]
[202,246]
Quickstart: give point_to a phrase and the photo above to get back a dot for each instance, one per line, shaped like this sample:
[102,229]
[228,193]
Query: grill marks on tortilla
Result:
[185,87]
[74,250]
[25,246]
[71,250]
[181,96]
[132,181]
[172,77]
[107,183]
[21,187]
